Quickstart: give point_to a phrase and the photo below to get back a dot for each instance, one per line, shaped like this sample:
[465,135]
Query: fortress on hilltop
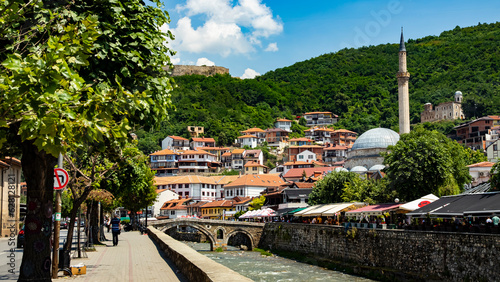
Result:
[200,70]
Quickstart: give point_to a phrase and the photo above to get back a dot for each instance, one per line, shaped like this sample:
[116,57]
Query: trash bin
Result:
[64,258]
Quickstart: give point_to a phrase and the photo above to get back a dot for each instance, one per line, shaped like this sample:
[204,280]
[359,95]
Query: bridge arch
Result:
[198,227]
[250,245]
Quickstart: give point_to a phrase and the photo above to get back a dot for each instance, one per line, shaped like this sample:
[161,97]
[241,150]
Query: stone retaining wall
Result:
[393,254]
[195,266]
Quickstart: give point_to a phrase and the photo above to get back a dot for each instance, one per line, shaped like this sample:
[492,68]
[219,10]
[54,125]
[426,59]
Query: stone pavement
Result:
[136,258]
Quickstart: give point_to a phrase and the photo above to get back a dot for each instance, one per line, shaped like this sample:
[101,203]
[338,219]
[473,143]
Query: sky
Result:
[252,37]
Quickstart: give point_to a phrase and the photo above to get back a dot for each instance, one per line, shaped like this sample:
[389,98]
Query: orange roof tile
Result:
[238,151]
[220,203]
[247,136]
[253,164]
[226,154]
[345,130]
[198,152]
[255,129]
[282,119]
[260,180]
[300,139]
[164,152]
[312,113]
[482,164]
[203,139]
[177,138]
[299,163]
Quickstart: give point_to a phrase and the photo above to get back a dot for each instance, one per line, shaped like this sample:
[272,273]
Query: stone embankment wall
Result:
[392,254]
[195,266]
[201,70]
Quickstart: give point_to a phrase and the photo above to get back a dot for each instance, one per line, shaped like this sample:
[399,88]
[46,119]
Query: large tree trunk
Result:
[38,169]
[94,222]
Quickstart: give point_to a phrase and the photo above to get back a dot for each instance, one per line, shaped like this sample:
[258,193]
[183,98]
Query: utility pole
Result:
[57,226]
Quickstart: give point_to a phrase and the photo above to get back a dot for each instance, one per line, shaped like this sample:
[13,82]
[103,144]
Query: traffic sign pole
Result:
[57,223]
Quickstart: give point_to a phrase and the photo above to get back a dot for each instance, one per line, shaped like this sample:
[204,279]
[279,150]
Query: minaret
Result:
[404,97]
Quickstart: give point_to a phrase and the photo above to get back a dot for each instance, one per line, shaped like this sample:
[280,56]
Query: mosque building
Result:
[364,155]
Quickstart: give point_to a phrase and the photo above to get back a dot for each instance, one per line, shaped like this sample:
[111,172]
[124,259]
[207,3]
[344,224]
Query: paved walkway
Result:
[136,258]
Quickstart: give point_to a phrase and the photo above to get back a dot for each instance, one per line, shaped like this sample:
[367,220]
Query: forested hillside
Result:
[359,85]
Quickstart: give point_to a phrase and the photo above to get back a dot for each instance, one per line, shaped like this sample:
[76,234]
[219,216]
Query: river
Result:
[270,268]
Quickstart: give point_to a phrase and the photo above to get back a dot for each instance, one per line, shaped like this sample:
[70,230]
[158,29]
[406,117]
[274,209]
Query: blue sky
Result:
[252,37]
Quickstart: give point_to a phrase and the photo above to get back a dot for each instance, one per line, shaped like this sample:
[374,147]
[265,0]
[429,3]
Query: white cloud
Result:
[227,29]
[175,60]
[250,73]
[204,62]
[272,47]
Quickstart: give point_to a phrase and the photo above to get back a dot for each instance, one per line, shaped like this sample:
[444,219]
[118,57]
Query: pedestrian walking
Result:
[115,229]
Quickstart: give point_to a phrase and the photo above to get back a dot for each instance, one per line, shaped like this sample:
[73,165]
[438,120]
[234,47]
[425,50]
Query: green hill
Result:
[359,85]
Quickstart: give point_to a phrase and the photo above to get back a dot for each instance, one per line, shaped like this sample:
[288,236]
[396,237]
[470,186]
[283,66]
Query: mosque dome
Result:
[376,138]
[359,169]
[377,167]
[337,169]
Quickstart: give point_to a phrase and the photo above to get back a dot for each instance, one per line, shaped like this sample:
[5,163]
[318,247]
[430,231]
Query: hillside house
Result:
[319,135]
[252,167]
[251,185]
[283,123]
[254,155]
[343,137]
[248,140]
[320,118]
[197,162]
[300,141]
[175,208]
[198,142]
[237,159]
[175,143]
[472,133]
[164,162]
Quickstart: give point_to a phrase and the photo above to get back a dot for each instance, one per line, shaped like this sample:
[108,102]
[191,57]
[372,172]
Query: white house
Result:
[237,159]
[480,172]
[202,142]
[251,185]
[164,195]
[284,124]
[493,151]
[254,155]
[198,188]
[175,208]
[306,156]
[196,161]
[248,140]
[175,142]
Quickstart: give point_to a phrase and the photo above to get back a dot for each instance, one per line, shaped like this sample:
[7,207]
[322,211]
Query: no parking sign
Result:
[61,178]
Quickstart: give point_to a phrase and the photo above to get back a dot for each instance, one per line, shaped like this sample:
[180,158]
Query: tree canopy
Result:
[330,188]
[425,162]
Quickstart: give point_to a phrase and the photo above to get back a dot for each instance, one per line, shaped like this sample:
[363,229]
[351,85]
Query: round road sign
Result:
[61,178]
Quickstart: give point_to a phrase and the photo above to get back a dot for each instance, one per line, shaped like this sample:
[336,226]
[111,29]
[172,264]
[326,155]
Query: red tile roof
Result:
[297,172]
[220,203]
[282,119]
[482,164]
[203,139]
[177,138]
[259,180]
[247,136]
[255,129]
[164,152]
[198,152]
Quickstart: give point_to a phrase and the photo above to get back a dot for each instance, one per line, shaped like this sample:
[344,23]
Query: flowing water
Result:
[270,268]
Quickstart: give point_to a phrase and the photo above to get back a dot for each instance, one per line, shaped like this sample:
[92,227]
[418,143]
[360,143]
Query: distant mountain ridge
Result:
[359,85]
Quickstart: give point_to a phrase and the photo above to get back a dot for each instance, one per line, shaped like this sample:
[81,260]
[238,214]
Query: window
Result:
[172,212]
[202,185]
[213,194]
[203,193]
[495,147]
[254,168]
[310,156]
[187,194]
[301,157]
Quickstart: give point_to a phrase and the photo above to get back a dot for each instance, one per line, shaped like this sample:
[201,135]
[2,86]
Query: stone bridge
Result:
[218,232]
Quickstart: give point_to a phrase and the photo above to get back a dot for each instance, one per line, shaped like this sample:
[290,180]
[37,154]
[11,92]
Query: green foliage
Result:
[368,191]
[132,183]
[67,203]
[424,162]
[238,214]
[263,252]
[331,187]
[495,176]
[257,203]
[82,73]
[359,85]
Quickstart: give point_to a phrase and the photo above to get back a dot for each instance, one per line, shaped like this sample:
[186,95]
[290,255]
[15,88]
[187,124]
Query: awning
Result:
[466,204]
[300,213]
[419,203]
[320,210]
[373,209]
[342,207]
[292,212]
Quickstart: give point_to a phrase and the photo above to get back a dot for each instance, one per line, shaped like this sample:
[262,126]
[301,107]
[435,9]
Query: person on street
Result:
[115,229]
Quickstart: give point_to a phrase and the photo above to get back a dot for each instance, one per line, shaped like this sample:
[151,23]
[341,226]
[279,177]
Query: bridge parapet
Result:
[217,231]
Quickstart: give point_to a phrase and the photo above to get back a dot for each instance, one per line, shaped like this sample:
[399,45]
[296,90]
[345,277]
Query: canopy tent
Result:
[373,210]
[460,205]
[416,204]
[300,213]
[318,211]
[292,212]
[342,208]
[259,213]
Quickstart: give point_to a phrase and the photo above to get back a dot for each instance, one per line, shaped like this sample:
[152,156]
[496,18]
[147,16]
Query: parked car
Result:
[64,225]
[20,238]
